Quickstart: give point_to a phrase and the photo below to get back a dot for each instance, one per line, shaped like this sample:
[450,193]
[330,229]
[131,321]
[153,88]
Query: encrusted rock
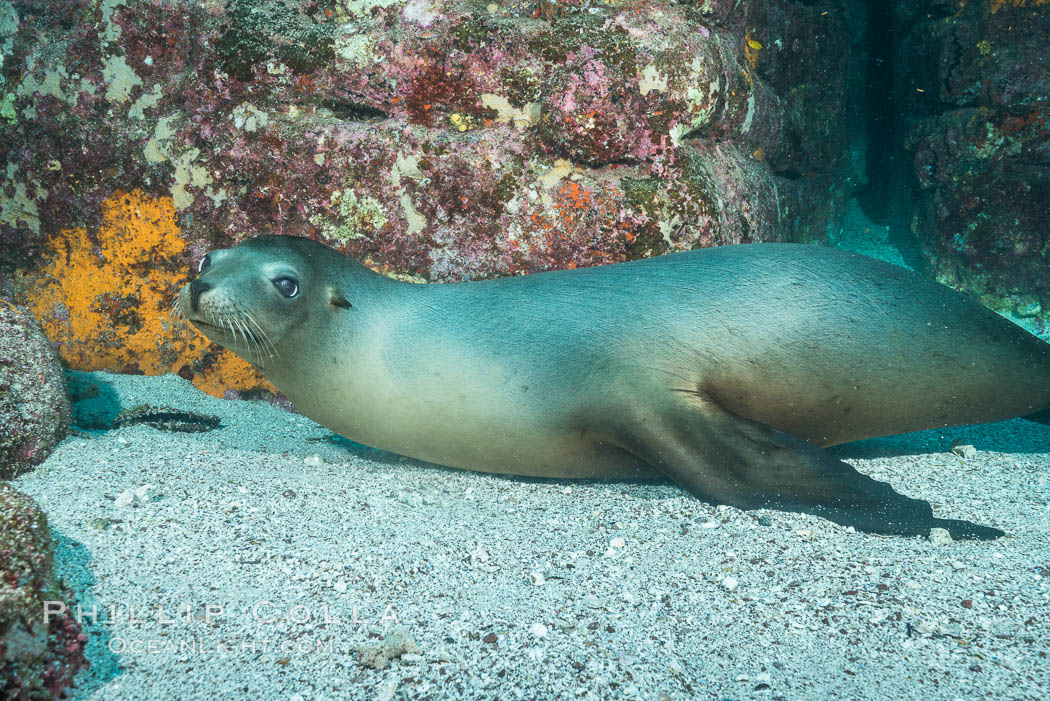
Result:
[972,107]
[39,655]
[441,140]
[397,642]
[34,407]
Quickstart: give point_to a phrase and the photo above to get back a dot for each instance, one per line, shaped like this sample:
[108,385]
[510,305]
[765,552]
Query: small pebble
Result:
[925,627]
[538,629]
[413,500]
[387,689]
[141,495]
[99,524]
[396,643]
[939,536]
[729,583]
[964,450]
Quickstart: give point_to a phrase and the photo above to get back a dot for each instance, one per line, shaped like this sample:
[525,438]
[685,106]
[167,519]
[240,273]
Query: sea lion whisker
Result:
[176,316]
[265,336]
[236,335]
[222,324]
[235,324]
[253,340]
[240,315]
[253,343]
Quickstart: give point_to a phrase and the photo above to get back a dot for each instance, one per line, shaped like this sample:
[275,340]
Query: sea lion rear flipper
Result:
[726,459]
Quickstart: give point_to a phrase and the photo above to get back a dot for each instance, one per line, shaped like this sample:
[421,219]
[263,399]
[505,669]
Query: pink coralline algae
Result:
[430,137]
[39,654]
[591,116]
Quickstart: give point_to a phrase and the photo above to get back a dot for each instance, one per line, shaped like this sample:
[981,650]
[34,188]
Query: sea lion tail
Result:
[1040,417]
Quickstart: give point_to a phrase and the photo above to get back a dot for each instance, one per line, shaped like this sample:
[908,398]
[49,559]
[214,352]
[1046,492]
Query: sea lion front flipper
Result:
[727,459]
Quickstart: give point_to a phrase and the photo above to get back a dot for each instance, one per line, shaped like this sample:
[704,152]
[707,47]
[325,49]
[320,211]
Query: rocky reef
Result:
[440,139]
[972,104]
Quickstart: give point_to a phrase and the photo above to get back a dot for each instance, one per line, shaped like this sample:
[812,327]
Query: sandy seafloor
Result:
[269,510]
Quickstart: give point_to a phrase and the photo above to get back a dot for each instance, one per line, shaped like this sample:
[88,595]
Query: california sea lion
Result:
[725,369]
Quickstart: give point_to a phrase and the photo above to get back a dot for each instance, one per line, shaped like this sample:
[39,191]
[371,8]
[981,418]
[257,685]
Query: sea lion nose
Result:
[197,288]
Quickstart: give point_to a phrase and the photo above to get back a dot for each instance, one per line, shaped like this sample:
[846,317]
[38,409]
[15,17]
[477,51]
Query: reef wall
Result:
[972,102]
[438,139]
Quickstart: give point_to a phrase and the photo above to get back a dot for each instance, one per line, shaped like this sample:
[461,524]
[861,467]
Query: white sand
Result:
[243,515]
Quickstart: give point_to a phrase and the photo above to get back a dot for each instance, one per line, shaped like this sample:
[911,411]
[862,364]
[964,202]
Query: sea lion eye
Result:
[286,286]
[204,264]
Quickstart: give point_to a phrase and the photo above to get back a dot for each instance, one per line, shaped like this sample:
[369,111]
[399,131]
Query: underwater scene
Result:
[524,349]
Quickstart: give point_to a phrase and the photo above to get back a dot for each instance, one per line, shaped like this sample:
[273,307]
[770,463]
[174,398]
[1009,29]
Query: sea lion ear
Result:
[339,300]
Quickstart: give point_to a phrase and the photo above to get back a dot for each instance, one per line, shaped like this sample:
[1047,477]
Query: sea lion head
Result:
[251,298]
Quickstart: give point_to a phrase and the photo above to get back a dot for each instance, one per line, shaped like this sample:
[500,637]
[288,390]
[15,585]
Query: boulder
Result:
[40,653]
[34,406]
